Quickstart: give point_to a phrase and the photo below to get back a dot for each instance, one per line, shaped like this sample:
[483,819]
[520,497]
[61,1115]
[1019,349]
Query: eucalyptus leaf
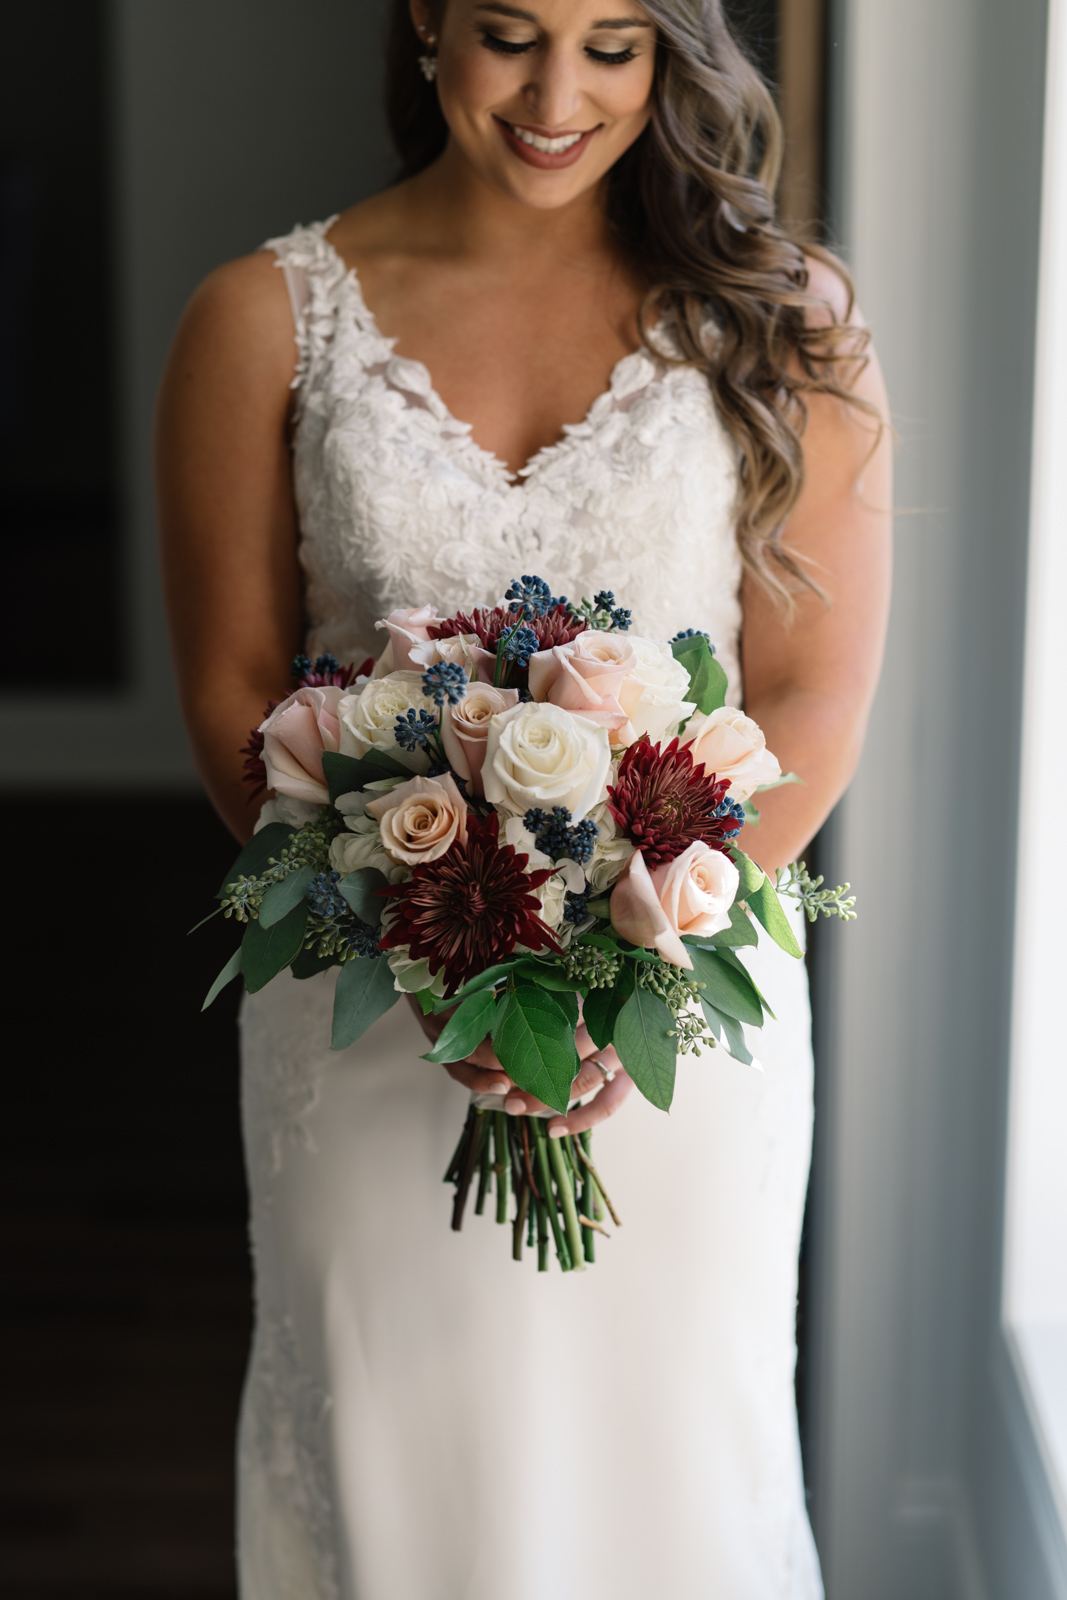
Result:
[281,897]
[360,890]
[365,992]
[645,1046]
[535,1044]
[602,1006]
[465,1028]
[349,774]
[386,766]
[751,876]
[707,680]
[268,951]
[252,862]
[727,986]
[485,980]
[729,1030]
[231,970]
[768,908]
[734,960]
[548,976]
[309,965]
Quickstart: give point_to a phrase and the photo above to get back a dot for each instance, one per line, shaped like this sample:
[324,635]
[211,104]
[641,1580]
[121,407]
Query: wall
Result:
[923,1482]
[232,122]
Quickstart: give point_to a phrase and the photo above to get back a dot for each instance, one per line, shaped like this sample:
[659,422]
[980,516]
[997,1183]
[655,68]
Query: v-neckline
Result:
[516,480]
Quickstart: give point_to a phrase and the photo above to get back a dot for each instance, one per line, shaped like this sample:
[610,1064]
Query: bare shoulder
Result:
[238,325]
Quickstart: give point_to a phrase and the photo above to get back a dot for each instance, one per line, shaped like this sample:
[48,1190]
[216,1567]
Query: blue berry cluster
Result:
[576,907]
[532,597]
[323,897]
[519,646]
[349,934]
[557,838]
[618,616]
[446,681]
[325,666]
[414,730]
[734,809]
[693,633]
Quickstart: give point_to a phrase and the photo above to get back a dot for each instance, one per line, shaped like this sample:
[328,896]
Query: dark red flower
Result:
[662,802]
[255,771]
[470,907]
[490,624]
[326,671]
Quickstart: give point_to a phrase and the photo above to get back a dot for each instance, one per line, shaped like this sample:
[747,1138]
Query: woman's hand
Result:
[482,1073]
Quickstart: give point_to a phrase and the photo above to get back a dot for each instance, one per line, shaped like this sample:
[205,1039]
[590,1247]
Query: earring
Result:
[428,63]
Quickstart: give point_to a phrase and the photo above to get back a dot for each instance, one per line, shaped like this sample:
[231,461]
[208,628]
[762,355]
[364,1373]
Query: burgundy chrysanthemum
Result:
[470,907]
[255,770]
[662,802]
[490,624]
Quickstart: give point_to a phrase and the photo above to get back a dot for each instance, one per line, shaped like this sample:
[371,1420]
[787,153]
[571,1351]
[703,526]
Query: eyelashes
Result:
[505,47]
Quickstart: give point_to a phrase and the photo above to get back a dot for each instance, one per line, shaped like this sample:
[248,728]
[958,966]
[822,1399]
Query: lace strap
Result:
[313,272]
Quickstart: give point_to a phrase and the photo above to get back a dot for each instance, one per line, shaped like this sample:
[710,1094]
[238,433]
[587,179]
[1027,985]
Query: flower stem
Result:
[616,1219]
[478,1133]
[455,1166]
[545,1174]
[502,1165]
[484,1169]
[542,1235]
[519,1226]
[586,1205]
[565,1185]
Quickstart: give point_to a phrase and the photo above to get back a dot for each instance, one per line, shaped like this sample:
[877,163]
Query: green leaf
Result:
[707,680]
[779,783]
[280,899]
[548,976]
[534,1040]
[252,862]
[734,960]
[485,980]
[268,951]
[228,973]
[601,941]
[465,1028]
[768,908]
[365,992]
[751,815]
[727,986]
[602,1007]
[740,932]
[645,1046]
[384,765]
[308,964]
[751,876]
[426,1002]
[729,1029]
[350,774]
[359,889]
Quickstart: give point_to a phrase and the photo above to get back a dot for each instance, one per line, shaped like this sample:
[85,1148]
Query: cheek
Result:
[471,81]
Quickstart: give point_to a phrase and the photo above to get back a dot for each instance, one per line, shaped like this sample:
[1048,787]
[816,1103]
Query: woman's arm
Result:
[226,517]
[809,681]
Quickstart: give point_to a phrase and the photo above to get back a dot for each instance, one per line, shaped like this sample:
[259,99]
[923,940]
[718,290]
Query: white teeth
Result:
[551,147]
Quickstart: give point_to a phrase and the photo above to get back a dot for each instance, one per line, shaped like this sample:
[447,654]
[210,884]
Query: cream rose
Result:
[540,755]
[463,649]
[294,737]
[653,695]
[465,729]
[420,819]
[362,847]
[691,894]
[407,629]
[732,746]
[586,677]
[369,718]
[284,809]
[611,851]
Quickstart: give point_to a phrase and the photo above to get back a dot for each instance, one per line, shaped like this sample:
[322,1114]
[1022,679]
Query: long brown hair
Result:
[692,205]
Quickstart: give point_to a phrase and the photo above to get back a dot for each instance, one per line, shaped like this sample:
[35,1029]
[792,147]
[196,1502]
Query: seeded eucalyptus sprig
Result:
[680,993]
[799,884]
[308,847]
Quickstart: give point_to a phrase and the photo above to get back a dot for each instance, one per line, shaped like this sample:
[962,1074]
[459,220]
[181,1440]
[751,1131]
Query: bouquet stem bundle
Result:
[553,1181]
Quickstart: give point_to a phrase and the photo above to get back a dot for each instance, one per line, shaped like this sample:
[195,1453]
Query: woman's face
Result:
[543,97]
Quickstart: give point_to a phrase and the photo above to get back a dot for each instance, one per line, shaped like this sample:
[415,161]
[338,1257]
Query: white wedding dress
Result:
[425,1419]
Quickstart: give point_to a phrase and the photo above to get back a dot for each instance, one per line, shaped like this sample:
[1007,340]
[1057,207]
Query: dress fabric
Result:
[423,1418]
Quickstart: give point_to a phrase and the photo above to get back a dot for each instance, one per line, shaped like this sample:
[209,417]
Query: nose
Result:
[553,94]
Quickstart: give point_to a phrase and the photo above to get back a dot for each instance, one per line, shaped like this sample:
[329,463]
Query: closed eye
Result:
[506,47]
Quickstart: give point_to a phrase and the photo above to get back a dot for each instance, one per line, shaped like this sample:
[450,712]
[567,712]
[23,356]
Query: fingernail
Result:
[498,1087]
[557,1130]
[514,1105]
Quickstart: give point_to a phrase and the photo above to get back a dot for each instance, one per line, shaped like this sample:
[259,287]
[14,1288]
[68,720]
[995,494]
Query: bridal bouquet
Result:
[524,817]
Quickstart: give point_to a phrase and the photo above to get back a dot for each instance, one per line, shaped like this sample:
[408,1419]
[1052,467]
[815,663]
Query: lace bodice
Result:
[398,505]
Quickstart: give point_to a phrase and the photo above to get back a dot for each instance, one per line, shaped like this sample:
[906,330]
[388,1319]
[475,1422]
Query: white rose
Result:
[368,719]
[732,746]
[283,808]
[610,853]
[541,755]
[653,695]
[410,976]
[568,877]
[362,847]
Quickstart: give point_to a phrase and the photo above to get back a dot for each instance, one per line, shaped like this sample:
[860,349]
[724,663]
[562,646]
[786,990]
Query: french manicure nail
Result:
[498,1088]
[557,1130]
[514,1105]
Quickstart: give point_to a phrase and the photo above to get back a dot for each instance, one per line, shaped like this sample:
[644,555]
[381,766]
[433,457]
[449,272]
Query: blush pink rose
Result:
[586,677]
[294,737]
[465,729]
[464,649]
[732,746]
[691,894]
[407,630]
[420,819]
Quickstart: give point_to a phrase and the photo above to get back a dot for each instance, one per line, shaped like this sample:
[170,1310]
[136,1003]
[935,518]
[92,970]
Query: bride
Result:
[571,340]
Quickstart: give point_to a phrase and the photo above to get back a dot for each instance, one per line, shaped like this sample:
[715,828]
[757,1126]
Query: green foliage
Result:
[465,1028]
[602,1007]
[727,986]
[280,899]
[800,885]
[308,846]
[549,975]
[707,680]
[751,876]
[590,967]
[350,774]
[729,1030]
[365,992]
[534,1039]
[259,850]
[485,980]
[360,890]
[739,933]
[647,1047]
[308,963]
[230,971]
[267,951]
[678,990]
[767,907]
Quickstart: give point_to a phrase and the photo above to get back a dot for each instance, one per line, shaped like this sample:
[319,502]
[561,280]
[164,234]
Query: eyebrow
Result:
[529,16]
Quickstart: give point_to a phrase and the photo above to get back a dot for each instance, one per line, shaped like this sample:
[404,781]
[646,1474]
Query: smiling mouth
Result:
[557,146]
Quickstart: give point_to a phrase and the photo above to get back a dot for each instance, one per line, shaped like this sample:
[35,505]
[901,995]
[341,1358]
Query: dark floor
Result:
[125,1284]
